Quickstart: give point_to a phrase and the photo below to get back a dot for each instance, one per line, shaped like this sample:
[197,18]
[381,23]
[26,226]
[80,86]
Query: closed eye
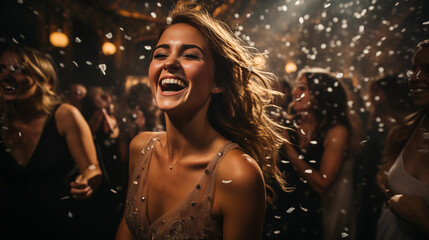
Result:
[160,56]
[192,56]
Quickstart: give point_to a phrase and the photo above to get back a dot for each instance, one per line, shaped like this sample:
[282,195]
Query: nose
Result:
[416,75]
[171,63]
[295,93]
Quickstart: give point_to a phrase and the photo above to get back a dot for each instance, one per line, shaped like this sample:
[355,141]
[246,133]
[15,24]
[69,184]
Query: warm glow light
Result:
[290,67]
[133,80]
[108,48]
[59,39]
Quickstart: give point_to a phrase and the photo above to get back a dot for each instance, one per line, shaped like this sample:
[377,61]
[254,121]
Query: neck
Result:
[26,110]
[190,136]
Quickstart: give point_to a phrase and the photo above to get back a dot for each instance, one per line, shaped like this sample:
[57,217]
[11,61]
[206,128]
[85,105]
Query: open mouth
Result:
[416,91]
[8,88]
[300,97]
[171,85]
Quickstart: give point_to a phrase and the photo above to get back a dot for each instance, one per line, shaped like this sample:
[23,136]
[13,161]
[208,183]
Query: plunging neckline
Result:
[182,202]
[30,160]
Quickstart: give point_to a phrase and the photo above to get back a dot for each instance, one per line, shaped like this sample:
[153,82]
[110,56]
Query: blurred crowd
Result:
[338,133]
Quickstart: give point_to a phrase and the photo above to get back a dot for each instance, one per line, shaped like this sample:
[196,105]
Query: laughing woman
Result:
[404,177]
[313,163]
[205,176]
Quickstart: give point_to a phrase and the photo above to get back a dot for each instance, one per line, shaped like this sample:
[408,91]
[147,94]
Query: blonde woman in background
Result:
[48,160]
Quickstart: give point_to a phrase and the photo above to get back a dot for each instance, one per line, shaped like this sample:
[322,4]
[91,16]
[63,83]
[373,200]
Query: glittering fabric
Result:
[191,219]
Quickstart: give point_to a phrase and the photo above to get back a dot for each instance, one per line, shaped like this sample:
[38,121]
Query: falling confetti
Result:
[303,208]
[102,68]
[291,209]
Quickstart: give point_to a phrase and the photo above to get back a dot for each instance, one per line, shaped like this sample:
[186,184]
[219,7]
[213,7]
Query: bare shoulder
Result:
[66,111]
[239,170]
[69,118]
[338,132]
[138,143]
[239,191]
[141,140]
[339,128]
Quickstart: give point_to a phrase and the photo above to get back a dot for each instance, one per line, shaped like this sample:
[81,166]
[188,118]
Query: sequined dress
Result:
[191,219]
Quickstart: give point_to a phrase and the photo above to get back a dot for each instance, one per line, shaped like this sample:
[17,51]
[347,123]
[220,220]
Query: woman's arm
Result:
[240,197]
[74,128]
[413,209]
[335,145]
[123,233]
[110,124]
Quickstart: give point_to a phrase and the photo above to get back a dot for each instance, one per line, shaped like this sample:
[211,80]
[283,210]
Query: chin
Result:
[167,107]
[6,97]
[300,109]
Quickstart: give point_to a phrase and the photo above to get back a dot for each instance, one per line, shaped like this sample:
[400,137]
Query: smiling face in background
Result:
[15,83]
[301,95]
[181,72]
[419,81]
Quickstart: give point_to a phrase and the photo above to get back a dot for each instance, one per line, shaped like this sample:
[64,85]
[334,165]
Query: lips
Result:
[300,97]
[417,91]
[8,88]
[172,85]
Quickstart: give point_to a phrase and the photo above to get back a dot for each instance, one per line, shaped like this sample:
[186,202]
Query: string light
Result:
[108,48]
[59,39]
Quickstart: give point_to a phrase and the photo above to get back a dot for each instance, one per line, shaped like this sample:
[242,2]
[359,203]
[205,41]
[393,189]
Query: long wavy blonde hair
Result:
[239,112]
[39,67]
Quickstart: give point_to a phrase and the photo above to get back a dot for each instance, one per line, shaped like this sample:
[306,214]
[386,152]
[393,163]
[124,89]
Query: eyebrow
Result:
[183,47]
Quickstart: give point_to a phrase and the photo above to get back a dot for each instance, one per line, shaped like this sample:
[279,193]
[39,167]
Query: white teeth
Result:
[8,88]
[173,81]
[418,90]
